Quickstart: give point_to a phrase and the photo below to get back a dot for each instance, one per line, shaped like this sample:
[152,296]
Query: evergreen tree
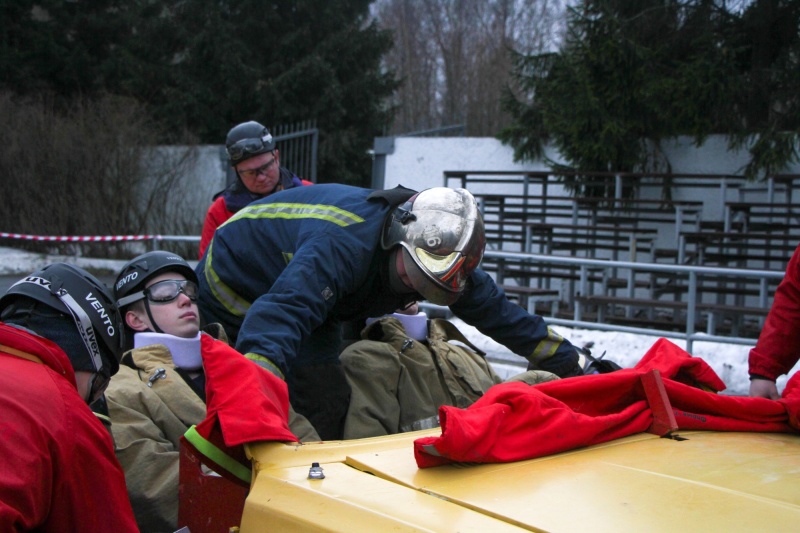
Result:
[632,74]
[202,66]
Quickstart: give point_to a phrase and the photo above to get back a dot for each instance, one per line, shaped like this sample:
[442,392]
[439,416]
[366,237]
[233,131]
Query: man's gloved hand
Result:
[597,365]
[564,365]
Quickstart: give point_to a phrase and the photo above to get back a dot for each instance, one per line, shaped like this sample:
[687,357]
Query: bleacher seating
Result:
[535,212]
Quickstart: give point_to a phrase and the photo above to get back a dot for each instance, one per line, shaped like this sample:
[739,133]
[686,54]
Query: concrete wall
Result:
[419,162]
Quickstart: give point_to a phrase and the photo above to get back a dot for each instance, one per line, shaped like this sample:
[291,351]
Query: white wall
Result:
[419,162]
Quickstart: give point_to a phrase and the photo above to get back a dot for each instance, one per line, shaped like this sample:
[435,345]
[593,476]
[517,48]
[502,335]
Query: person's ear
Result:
[134,321]
[277,155]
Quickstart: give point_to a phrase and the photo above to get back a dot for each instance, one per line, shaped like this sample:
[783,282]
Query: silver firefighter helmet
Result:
[441,234]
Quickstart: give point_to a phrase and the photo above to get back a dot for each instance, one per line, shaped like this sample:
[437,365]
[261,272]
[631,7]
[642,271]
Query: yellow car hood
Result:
[711,481]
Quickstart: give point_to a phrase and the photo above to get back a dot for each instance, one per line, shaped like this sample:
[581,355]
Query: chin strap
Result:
[150,316]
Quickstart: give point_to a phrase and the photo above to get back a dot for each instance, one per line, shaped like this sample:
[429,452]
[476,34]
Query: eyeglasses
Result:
[249,146]
[252,173]
[169,289]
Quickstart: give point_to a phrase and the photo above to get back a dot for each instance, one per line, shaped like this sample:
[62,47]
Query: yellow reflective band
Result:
[219,457]
[287,256]
[330,213]
[231,301]
[546,347]
[265,363]
[19,353]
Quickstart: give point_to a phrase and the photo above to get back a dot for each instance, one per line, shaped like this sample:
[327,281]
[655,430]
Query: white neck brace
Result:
[416,326]
[185,352]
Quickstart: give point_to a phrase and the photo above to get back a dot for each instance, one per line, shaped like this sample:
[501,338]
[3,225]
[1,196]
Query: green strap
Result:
[265,363]
[216,455]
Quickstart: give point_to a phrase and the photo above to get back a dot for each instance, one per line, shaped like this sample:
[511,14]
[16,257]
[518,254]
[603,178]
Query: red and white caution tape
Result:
[78,238]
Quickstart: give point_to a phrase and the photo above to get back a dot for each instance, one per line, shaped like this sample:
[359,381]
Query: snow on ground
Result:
[729,361]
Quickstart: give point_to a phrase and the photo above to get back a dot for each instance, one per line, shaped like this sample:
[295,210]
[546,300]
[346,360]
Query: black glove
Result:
[597,365]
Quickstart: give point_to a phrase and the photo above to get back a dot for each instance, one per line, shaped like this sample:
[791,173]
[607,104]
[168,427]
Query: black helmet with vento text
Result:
[84,301]
[247,140]
[133,276]
[131,283]
[442,237]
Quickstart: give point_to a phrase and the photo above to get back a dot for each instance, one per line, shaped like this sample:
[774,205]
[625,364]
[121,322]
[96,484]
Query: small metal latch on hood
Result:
[315,472]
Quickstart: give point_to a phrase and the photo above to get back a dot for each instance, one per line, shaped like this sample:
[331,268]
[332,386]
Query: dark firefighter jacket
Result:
[283,273]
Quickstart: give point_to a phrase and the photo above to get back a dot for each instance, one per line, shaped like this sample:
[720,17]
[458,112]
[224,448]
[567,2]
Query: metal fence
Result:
[687,273]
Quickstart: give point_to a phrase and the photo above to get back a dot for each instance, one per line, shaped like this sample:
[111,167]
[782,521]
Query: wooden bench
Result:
[745,250]
[713,309]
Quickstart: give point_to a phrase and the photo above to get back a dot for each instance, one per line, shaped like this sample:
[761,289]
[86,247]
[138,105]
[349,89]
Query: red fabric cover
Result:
[778,346]
[58,471]
[250,403]
[514,421]
[244,403]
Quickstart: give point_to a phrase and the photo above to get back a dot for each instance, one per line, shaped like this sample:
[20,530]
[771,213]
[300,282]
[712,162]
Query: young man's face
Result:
[260,174]
[179,317]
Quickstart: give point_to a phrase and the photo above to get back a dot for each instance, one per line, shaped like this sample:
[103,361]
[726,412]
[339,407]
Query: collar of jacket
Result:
[237,195]
[45,350]
[149,358]
[391,330]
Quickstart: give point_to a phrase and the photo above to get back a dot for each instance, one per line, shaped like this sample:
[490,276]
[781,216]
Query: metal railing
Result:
[689,273]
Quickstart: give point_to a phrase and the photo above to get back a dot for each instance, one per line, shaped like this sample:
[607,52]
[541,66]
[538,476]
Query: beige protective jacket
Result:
[147,424]
[398,384]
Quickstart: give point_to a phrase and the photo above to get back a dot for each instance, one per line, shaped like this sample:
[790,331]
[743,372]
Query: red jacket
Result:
[218,213]
[514,421]
[58,471]
[778,347]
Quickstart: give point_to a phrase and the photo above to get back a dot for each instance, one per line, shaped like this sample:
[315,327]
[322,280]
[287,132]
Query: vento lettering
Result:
[102,312]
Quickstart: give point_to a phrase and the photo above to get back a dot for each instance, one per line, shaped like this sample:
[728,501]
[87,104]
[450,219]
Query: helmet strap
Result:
[150,316]
[84,324]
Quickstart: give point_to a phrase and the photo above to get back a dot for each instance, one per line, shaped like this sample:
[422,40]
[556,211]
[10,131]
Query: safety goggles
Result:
[162,292]
[253,173]
[167,290]
[257,145]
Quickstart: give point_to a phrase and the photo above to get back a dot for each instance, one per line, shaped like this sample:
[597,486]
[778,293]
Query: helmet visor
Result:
[445,293]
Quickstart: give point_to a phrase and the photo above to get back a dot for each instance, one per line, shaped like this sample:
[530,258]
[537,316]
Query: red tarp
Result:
[514,421]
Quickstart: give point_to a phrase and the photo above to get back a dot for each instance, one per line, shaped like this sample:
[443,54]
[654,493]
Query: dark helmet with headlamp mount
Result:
[247,140]
[440,231]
